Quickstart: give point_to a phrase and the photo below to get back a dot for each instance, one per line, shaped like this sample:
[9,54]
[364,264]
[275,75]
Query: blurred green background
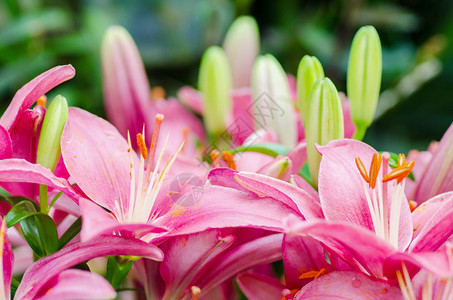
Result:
[416,106]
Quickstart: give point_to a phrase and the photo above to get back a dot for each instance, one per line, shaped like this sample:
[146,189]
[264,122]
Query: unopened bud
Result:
[241,45]
[364,77]
[54,121]
[310,70]
[272,105]
[214,82]
[325,122]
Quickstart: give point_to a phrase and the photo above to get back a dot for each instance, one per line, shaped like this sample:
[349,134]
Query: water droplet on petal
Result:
[356,283]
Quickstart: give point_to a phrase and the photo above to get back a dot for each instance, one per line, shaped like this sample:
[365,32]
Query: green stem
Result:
[359,133]
[43,199]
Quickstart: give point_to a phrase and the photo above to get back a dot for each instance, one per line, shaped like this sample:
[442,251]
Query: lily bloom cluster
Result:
[255,185]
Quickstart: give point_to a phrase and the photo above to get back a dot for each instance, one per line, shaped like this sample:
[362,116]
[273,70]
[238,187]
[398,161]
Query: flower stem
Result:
[43,199]
[359,133]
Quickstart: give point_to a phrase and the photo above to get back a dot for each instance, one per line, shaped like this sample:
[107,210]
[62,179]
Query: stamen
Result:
[400,172]
[412,205]
[215,158]
[186,135]
[42,101]
[313,274]
[374,169]
[228,158]
[132,199]
[141,144]
[157,92]
[152,147]
[401,159]
[195,292]
[362,169]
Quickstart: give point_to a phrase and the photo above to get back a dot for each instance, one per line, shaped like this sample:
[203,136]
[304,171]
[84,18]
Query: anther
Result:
[313,274]
[362,169]
[412,205]
[374,169]
[142,146]
[228,158]
[157,92]
[195,292]
[215,158]
[42,101]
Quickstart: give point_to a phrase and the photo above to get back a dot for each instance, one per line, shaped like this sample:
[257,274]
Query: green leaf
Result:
[41,234]
[117,270]
[70,233]
[20,211]
[270,149]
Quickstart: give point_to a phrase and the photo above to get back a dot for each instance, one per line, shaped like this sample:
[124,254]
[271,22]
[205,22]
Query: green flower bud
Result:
[49,149]
[272,104]
[324,123]
[214,82]
[364,77]
[310,70]
[241,45]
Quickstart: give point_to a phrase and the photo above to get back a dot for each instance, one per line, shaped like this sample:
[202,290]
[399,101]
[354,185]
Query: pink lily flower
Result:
[370,225]
[108,171]
[48,278]
[195,265]
[20,126]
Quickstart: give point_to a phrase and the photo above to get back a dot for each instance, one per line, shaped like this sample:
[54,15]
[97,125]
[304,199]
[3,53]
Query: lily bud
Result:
[280,168]
[54,121]
[364,77]
[310,70]
[127,97]
[214,82]
[241,45]
[272,104]
[324,123]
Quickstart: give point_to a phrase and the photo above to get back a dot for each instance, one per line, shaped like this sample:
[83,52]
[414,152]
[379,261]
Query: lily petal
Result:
[438,228]
[262,250]
[44,269]
[186,255]
[19,170]
[438,177]
[348,285]
[258,286]
[359,247]
[30,93]
[96,156]
[5,144]
[76,284]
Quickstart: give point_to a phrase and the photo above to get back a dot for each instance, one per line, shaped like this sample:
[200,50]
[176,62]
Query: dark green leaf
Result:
[41,234]
[266,148]
[70,233]
[117,270]
[19,212]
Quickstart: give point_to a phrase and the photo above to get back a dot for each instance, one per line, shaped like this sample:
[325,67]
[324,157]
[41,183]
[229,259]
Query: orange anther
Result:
[228,158]
[362,169]
[374,169]
[412,205]
[42,101]
[157,92]
[215,158]
[141,144]
[313,274]
[401,160]
[195,292]
[400,172]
